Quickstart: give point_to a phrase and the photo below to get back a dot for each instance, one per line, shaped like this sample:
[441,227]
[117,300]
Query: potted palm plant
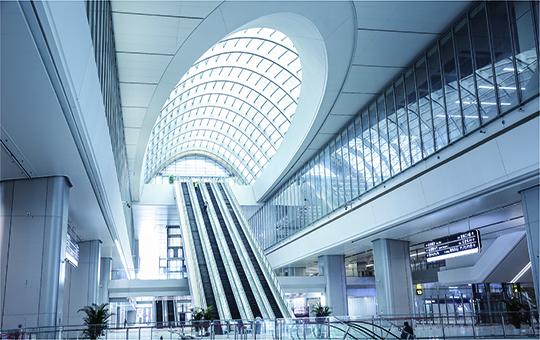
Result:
[95,320]
[321,313]
[515,314]
[200,315]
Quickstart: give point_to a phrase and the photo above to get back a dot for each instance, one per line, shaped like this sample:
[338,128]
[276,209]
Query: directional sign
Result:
[453,246]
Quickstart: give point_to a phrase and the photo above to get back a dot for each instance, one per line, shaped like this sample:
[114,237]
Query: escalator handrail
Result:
[217,287]
[263,261]
[189,247]
[251,274]
[232,273]
[368,323]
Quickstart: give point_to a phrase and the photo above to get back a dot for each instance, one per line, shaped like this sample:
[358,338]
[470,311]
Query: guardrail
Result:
[470,326]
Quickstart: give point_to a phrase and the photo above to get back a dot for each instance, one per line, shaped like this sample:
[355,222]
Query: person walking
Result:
[407,332]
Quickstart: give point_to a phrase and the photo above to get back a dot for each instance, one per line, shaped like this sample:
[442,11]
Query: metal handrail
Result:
[284,328]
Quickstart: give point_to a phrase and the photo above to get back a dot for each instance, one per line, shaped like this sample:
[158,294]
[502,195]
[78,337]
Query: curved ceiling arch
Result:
[244,122]
[232,146]
[181,130]
[239,167]
[223,105]
[272,57]
[188,153]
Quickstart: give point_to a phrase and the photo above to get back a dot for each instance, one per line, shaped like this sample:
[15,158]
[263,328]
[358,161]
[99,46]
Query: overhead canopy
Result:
[234,104]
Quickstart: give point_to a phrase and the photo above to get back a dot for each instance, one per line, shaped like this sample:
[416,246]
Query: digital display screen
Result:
[72,251]
[453,246]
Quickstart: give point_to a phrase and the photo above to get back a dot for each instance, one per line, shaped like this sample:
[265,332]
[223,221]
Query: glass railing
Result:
[472,326]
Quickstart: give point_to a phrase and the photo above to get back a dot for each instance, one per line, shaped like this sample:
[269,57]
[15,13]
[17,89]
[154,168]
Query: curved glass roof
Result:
[235,103]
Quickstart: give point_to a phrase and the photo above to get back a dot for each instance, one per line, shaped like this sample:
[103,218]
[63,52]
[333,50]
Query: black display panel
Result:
[453,246]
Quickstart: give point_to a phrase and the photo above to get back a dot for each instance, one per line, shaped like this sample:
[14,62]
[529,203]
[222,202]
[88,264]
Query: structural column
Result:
[333,268]
[82,282]
[530,202]
[33,229]
[104,278]
[393,279]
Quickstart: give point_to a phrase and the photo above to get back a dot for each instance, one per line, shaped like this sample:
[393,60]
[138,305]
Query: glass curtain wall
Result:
[484,66]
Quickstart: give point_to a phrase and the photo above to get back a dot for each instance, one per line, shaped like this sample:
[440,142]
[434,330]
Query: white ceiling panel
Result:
[320,141]
[334,123]
[426,16]
[372,14]
[351,103]
[133,116]
[370,80]
[141,68]
[389,48]
[131,150]
[151,33]
[195,9]
[132,135]
[136,95]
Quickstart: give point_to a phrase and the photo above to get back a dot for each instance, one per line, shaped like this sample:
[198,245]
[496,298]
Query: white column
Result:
[393,280]
[82,282]
[33,229]
[104,278]
[530,202]
[333,268]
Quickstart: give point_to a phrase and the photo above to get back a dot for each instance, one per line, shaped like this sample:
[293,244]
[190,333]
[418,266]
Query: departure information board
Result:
[72,251]
[453,246]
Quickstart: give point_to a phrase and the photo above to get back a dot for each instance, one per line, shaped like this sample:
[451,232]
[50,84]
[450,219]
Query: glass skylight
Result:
[235,103]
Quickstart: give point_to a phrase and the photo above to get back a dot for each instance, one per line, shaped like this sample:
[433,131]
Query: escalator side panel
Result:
[203,268]
[234,255]
[227,288]
[264,283]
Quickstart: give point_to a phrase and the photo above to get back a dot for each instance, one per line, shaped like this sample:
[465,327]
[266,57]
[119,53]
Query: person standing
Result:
[407,332]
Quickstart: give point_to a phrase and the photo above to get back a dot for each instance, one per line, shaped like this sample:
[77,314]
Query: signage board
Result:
[453,246]
[72,251]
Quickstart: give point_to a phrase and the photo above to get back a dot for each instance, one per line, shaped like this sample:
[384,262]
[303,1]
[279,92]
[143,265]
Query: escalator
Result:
[234,255]
[170,312]
[227,288]
[159,313]
[262,279]
[203,268]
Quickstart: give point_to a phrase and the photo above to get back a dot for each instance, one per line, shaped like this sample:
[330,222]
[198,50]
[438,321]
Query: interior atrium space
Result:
[269,169]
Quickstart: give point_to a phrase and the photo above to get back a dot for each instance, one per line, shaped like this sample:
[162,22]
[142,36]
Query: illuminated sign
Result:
[72,251]
[453,246]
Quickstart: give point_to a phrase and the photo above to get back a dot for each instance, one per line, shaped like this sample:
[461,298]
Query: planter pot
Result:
[517,331]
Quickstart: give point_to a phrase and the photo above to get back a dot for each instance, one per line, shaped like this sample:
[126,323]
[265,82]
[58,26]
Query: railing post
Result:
[304,328]
[328,327]
[503,327]
[442,326]
[473,324]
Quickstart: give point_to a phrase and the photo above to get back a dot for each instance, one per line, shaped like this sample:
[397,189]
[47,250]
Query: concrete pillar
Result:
[393,279]
[104,278]
[333,268]
[33,227]
[82,282]
[530,202]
